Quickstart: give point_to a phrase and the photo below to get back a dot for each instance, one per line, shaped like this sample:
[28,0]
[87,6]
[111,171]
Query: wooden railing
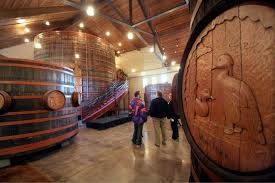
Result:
[103,103]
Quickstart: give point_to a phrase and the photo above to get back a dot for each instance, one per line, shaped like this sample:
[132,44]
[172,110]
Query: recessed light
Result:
[163,48]
[173,63]
[47,23]
[77,55]
[164,57]
[107,33]
[119,44]
[177,45]
[151,49]
[130,35]
[175,51]
[118,52]
[37,45]
[81,25]
[26,40]
[133,70]
[90,11]
[27,29]
[21,21]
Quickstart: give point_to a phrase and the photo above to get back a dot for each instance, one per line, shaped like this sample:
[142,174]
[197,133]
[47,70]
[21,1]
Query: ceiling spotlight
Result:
[117,66]
[130,35]
[151,49]
[81,25]
[37,45]
[21,21]
[77,56]
[175,51]
[164,57]
[26,40]
[163,48]
[27,30]
[177,45]
[119,44]
[47,23]
[118,52]
[173,63]
[90,11]
[107,33]
[133,70]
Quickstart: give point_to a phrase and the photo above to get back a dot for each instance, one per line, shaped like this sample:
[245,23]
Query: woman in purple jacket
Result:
[139,117]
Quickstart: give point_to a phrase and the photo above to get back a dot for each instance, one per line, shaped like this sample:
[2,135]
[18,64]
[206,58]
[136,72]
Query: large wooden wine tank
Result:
[227,89]
[92,58]
[36,109]
[175,93]
[151,92]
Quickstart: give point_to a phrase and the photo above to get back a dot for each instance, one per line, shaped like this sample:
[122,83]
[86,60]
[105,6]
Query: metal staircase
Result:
[95,108]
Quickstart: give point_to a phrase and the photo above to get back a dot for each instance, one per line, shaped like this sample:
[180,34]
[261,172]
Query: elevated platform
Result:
[108,122]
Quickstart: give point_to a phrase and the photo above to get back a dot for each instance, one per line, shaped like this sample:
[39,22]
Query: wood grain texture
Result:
[232,59]
[91,57]
[28,125]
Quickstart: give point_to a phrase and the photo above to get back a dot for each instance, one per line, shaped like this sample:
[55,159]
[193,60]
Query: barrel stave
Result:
[28,126]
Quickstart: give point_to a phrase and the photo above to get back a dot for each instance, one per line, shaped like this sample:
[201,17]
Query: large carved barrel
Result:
[227,89]
[36,106]
[92,58]
[151,92]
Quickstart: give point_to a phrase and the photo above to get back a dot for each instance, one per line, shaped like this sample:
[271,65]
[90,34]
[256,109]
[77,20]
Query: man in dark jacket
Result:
[174,117]
[158,112]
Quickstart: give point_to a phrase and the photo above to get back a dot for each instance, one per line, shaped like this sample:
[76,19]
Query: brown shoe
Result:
[157,145]
[163,143]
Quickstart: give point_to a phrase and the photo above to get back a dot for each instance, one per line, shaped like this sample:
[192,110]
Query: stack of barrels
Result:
[92,58]
[37,106]
[226,90]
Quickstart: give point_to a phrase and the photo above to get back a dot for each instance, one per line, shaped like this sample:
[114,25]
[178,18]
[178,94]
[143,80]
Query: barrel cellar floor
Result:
[108,156]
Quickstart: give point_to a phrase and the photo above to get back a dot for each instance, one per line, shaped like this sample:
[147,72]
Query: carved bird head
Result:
[225,62]
[205,95]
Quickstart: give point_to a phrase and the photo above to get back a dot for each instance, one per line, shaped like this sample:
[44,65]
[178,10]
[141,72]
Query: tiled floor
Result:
[109,156]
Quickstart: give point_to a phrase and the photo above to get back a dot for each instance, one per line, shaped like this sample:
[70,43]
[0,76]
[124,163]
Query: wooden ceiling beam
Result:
[11,33]
[148,19]
[118,12]
[130,12]
[155,33]
[19,39]
[127,22]
[31,12]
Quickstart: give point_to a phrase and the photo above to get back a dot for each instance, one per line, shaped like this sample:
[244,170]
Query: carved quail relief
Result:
[228,87]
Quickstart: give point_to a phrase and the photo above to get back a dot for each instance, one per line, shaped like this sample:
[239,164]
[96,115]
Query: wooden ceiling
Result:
[169,30]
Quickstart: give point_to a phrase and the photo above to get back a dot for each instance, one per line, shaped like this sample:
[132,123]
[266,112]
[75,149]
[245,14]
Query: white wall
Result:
[25,51]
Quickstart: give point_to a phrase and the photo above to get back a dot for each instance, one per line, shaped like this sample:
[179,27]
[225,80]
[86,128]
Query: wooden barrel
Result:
[38,110]
[226,91]
[92,58]
[175,93]
[151,92]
